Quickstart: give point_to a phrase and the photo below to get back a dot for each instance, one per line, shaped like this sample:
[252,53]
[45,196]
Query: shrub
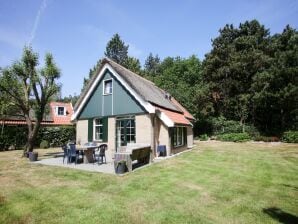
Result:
[290,137]
[266,138]
[234,137]
[203,137]
[16,136]
[13,136]
[57,136]
[44,144]
[221,125]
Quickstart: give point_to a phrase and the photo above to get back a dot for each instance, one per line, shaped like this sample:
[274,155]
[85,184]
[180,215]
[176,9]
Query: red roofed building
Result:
[59,115]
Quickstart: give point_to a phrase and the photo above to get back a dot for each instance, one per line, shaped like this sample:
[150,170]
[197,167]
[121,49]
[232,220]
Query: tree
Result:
[276,89]
[152,64]
[133,64]
[238,55]
[117,50]
[182,78]
[30,89]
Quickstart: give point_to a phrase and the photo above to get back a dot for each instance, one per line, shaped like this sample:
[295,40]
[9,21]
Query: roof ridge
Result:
[110,60]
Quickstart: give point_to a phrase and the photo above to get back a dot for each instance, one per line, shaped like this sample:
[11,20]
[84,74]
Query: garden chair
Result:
[102,153]
[72,153]
[65,153]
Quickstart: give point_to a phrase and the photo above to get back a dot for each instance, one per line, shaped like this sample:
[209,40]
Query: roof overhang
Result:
[165,119]
[171,121]
[148,107]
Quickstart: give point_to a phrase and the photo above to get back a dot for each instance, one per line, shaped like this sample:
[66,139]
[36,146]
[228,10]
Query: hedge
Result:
[234,137]
[222,126]
[57,136]
[15,137]
[203,137]
[290,137]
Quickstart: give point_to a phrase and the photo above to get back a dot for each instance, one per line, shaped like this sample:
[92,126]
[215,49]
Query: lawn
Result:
[214,183]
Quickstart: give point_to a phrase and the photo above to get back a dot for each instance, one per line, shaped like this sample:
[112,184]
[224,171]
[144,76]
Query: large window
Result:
[179,136]
[108,87]
[98,129]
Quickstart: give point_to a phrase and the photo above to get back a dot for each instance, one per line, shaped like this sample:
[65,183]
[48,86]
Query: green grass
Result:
[214,183]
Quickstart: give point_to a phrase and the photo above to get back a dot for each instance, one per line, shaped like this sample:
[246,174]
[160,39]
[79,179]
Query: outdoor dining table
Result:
[87,152]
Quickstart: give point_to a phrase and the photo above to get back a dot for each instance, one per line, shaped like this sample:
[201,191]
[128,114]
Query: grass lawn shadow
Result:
[280,215]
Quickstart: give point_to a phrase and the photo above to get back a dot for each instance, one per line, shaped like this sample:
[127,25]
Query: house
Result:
[120,107]
[59,114]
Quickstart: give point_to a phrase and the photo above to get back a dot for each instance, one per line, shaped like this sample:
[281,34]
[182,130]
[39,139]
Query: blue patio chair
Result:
[72,153]
[102,153]
[65,153]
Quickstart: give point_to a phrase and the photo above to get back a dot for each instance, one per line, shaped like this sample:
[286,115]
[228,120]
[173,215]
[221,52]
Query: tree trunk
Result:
[30,137]
[242,123]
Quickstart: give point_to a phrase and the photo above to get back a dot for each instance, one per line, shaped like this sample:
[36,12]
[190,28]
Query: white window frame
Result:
[176,129]
[57,111]
[104,87]
[94,129]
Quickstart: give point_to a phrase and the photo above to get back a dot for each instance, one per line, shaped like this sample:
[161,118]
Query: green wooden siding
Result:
[120,102]
[90,129]
[105,129]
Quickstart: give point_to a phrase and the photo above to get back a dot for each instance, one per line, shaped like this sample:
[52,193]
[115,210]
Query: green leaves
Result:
[253,76]
[117,50]
[29,89]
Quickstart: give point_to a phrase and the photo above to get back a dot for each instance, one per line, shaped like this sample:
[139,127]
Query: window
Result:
[98,129]
[179,136]
[108,87]
[125,131]
[60,111]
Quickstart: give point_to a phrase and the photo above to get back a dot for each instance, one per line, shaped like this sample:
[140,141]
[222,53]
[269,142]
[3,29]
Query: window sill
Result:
[178,146]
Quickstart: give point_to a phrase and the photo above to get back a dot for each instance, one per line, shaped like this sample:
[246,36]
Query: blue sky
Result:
[76,32]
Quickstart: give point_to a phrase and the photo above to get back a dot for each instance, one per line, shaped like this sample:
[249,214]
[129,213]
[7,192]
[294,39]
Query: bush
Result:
[57,136]
[266,138]
[44,144]
[16,136]
[13,136]
[221,125]
[290,137]
[234,137]
[203,137]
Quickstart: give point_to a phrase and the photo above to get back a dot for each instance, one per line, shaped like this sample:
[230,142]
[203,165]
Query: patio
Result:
[93,167]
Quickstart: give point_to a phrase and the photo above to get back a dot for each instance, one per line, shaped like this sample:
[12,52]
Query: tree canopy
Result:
[252,76]
[117,50]
[30,89]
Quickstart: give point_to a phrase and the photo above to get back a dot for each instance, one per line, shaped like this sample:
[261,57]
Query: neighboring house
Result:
[120,107]
[59,114]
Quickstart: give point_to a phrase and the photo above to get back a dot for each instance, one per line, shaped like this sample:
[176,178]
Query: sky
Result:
[76,32]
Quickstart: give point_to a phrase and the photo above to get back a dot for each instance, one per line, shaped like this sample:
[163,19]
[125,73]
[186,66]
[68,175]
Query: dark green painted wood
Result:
[120,102]
[171,135]
[90,129]
[185,135]
[105,129]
